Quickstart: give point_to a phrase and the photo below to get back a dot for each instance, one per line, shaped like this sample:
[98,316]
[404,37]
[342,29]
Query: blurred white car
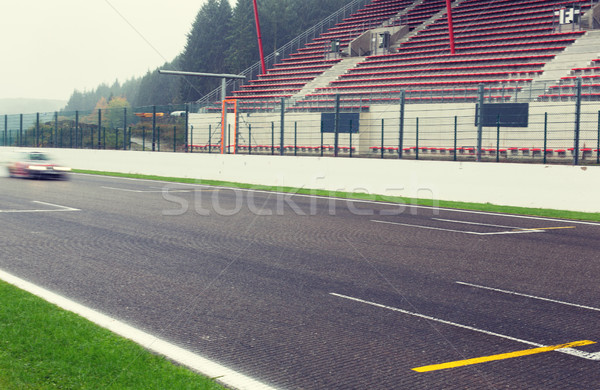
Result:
[36,165]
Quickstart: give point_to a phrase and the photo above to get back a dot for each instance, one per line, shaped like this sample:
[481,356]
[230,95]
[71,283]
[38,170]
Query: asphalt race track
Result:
[306,292]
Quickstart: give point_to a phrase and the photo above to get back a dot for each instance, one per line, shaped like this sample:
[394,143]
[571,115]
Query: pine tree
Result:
[221,40]
[242,49]
[205,48]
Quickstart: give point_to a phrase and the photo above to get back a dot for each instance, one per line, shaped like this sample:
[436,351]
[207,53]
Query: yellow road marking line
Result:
[548,228]
[501,356]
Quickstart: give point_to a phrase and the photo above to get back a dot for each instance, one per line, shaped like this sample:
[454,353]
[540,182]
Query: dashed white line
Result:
[528,296]
[569,351]
[460,231]
[476,223]
[414,206]
[57,208]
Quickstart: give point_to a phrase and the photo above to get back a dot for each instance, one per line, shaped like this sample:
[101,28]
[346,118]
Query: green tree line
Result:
[222,39]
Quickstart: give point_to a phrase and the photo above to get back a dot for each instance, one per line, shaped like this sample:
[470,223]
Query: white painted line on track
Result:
[528,296]
[530,217]
[476,223]
[460,231]
[194,361]
[57,208]
[569,351]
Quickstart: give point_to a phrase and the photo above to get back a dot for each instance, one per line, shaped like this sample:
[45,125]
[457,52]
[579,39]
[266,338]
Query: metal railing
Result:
[566,131]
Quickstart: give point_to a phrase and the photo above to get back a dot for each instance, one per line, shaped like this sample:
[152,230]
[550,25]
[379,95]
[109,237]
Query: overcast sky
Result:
[51,47]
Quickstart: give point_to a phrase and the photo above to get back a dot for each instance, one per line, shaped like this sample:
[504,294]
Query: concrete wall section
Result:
[527,185]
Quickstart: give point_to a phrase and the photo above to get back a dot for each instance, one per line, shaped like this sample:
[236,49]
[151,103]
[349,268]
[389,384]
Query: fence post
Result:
[321,138]
[281,136]
[116,138]
[209,138]
[498,138]
[336,126]
[296,138]
[37,130]
[382,138]
[577,121]
[480,122]
[76,129]
[417,140]
[187,127]
[55,133]
[100,131]
[124,128]
[191,139]
[598,144]
[545,135]
[455,136]
[249,138]
[401,125]
[272,138]
[21,130]
[158,138]
[153,128]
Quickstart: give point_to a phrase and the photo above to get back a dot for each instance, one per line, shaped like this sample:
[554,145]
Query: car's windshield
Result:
[37,157]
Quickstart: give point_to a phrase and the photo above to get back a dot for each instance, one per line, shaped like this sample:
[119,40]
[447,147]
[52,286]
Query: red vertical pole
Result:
[260,46]
[450,26]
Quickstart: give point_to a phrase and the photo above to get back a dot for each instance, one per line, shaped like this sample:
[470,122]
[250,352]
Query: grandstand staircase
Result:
[326,77]
[580,53]
[425,24]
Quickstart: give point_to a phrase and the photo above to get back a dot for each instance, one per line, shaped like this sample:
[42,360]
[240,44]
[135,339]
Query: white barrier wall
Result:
[528,185]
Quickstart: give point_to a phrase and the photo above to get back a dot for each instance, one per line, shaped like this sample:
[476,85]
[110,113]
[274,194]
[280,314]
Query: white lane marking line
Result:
[58,208]
[477,223]
[529,296]
[361,201]
[424,227]
[194,361]
[569,351]
[459,231]
[65,208]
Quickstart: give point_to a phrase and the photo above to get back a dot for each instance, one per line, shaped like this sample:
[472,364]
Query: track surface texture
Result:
[313,293]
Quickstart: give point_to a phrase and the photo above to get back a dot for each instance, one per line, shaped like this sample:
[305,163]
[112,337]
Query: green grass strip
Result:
[487,207]
[45,347]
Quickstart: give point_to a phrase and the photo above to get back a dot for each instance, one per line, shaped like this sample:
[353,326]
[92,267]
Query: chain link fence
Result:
[156,128]
[566,132]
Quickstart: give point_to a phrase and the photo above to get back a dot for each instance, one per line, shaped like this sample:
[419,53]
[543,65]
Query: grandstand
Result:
[530,50]
[505,49]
